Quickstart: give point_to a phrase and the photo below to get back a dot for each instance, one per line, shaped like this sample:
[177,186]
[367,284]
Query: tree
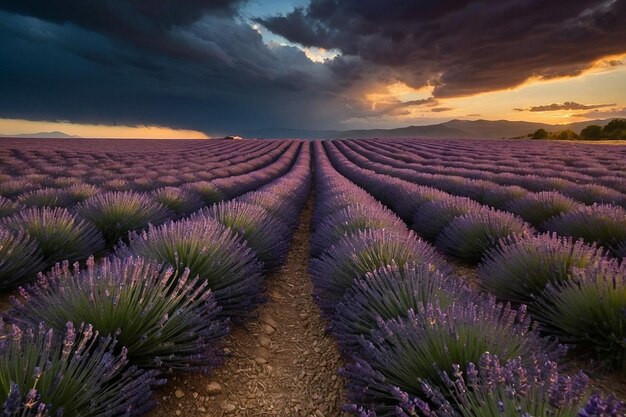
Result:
[615,129]
[591,132]
[567,135]
[541,134]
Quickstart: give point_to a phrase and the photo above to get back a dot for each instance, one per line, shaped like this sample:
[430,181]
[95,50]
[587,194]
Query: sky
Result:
[198,68]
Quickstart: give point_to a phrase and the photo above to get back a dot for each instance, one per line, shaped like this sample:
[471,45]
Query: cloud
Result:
[568,105]
[603,114]
[441,109]
[461,47]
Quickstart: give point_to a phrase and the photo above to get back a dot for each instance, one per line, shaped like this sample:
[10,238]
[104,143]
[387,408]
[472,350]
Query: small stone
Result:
[213,388]
[265,341]
[228,408]
[268,330]
[194,395]
[260,360]
[270,321]
[318,413]
[178,412]
[179,394]
[202,409]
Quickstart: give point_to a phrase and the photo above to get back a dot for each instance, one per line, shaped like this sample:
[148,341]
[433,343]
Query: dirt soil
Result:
[283,364]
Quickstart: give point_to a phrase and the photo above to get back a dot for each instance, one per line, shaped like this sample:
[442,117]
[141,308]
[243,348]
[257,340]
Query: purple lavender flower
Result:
[354,256]
[589,311]
[388,293]
[211,251]
[536,208]
[350,221]
[160,320]
[603,224]
[404,352]
[267,236]
[90,378]
[58,233]
[115,213]
[20,258]
[432,217]
[522,266]
[469,236]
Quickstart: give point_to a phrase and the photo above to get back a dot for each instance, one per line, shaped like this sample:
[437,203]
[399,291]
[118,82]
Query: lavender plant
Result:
[58,233]
[116,213]
[589,311]
[207,192]
[179,201]
[536,208]
[265,235]
[469,236]
[405,351]
[491,388]
[603,224]
[389,293]
[163,323]
[211,251]
[8,207]
[521,266]
[354,256]
[351,220]
[70,372]
[500,196]
[45,197]
[20,258]
[432,217]
[80,192]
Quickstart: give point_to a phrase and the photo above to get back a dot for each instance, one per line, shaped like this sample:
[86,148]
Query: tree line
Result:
[614,130]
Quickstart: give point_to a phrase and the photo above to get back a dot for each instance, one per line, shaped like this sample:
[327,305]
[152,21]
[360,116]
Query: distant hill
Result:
[52,135]
[454,129]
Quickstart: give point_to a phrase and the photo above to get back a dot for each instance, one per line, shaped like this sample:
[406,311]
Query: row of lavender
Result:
[161,303]
[574,289]
[577,186]
[503,161]
[33,239]
[419,340]
[548,211]
[63,178]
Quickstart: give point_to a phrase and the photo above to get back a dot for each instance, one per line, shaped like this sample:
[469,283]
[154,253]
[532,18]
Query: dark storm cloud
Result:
[462,47]
[234,81]
[568,105]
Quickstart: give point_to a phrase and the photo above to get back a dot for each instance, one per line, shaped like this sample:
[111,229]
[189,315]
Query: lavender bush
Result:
[8,207]
[268,237]
[603,224]
[116,213]
[179,201]
[20,258]
[491,388]
[589,311]
[70,372]
[351,220]
[354,256]
[388,293]
[520,267]
[163,323]
[45,197]
[211,251]
[405,351]
[469,236]
[432,217]
[58,233]
[207,192]
[536,208]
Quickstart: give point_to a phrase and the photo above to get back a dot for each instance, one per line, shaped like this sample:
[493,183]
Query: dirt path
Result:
[280,365]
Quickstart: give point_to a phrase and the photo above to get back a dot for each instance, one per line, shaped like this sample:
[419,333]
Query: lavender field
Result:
[447,278]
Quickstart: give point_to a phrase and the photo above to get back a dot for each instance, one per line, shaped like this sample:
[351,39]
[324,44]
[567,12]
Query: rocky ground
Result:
[281,364]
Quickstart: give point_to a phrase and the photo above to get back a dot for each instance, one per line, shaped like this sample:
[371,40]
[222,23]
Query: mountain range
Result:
[453,129]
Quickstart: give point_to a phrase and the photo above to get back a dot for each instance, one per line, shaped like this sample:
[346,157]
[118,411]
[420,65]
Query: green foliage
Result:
[591,132]
[540,134]
[615,129]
